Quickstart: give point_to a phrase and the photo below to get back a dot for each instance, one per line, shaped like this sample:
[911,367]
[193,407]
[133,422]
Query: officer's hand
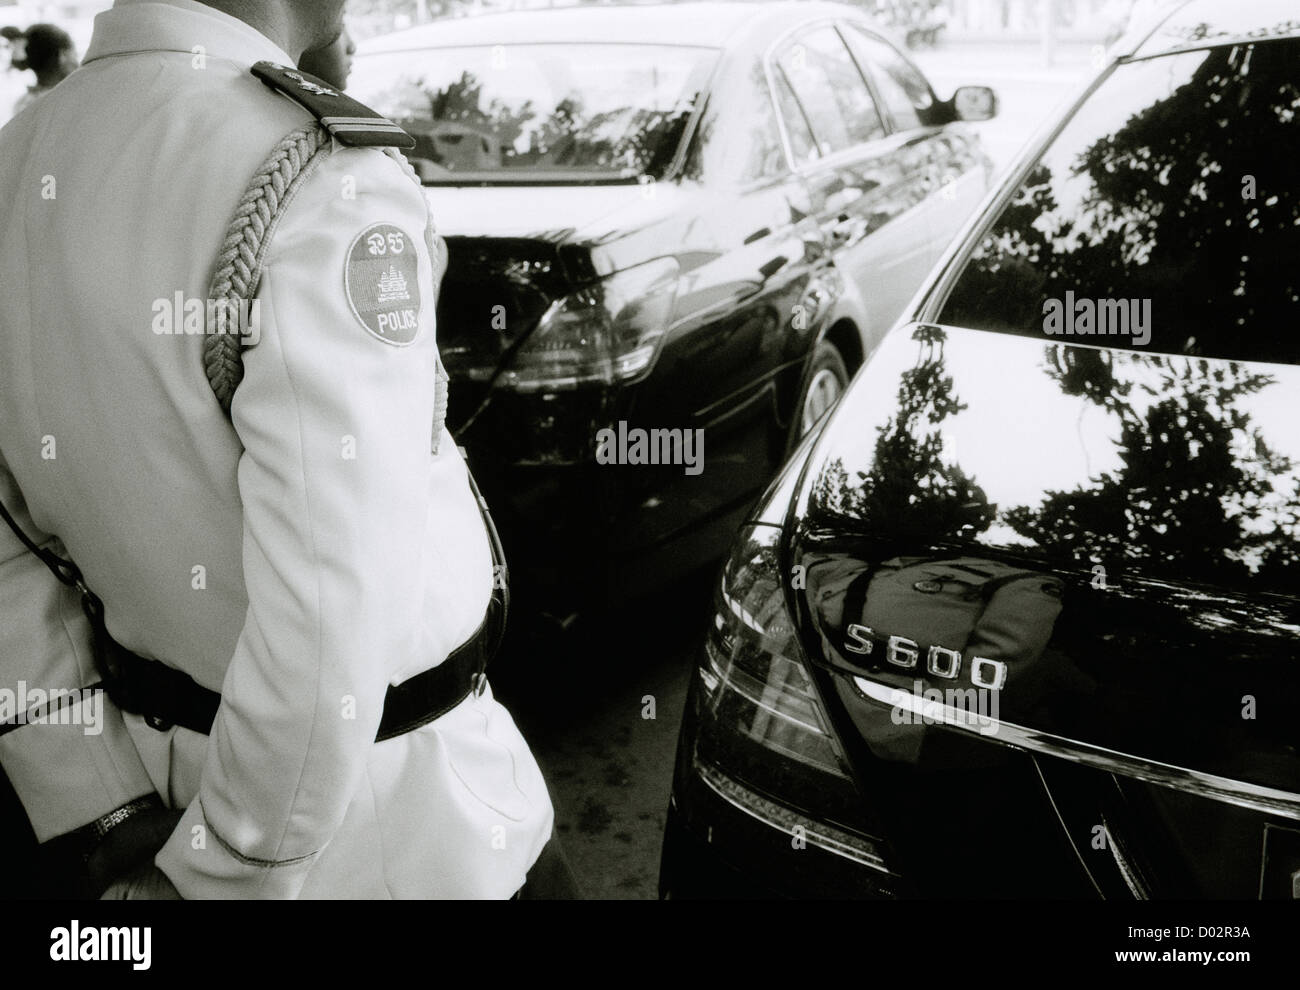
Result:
[131,846]
[145,883]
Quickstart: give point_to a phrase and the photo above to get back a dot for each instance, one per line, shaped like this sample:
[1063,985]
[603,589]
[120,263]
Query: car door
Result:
[945,161]
[752,282]
[865,183]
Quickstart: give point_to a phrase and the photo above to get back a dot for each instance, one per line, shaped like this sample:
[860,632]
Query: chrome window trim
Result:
[768,56]
[790,166]
[868,75]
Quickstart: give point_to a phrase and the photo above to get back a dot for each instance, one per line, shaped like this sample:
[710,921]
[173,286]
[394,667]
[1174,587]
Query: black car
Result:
[1023,617]
[674,233]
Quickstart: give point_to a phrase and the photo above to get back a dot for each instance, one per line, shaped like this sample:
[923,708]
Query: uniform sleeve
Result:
[335,412]
[78,762]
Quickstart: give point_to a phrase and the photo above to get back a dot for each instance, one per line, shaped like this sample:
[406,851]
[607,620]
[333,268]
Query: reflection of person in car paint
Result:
[971,621]
[333,63]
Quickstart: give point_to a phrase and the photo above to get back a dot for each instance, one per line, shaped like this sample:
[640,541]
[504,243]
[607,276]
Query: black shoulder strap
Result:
[347,121]
[65,570]
[69,574]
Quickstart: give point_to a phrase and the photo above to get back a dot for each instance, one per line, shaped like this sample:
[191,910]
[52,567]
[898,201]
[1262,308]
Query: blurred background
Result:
[1041,22]
[1072,19]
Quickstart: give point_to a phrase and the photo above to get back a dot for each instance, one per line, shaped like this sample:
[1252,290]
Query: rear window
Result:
[562,112]
[1165,216]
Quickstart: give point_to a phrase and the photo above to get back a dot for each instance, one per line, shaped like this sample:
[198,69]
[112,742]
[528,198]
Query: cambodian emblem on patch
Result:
[382,284]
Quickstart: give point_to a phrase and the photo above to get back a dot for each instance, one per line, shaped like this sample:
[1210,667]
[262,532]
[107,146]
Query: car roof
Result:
[1211,23]
[708,24]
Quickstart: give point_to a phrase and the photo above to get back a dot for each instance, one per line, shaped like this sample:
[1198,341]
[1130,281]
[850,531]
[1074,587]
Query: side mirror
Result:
[974,103]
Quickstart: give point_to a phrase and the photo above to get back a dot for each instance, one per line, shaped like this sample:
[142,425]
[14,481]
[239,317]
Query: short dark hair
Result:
[45,44]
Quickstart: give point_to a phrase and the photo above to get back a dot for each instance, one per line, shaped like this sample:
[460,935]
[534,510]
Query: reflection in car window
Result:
[857,106]
[1170,192]
[904,90]
[802,145]
[763,156]
[831,91]
[500,112]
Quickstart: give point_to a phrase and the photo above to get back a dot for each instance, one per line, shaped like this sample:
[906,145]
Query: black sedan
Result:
[674,233]
[1023,617]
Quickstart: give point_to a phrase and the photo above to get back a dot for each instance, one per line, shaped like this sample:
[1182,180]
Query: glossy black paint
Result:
[1176,640]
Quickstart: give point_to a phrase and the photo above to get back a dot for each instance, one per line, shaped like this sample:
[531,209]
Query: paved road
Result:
[582,703]
[602,712]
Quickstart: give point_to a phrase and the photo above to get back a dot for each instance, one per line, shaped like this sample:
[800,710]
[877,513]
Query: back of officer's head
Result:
[296,25]
[50,52]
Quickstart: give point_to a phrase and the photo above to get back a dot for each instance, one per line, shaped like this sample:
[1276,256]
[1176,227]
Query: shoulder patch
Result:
[348,121]
[381,279]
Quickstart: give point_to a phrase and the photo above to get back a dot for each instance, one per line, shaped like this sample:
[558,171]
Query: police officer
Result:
[276,530]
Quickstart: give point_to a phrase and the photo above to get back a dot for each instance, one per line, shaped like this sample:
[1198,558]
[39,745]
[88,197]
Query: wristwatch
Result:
[82,842]
[95,832]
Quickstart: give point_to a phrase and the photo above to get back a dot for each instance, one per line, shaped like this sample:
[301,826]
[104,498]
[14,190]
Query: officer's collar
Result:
[179,26]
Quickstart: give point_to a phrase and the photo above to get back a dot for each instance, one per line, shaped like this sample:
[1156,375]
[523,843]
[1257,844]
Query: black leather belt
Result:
[165,696]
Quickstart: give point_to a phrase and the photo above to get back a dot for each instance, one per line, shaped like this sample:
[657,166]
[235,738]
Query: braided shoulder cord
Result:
[243,250]
[239,265]
[405,166]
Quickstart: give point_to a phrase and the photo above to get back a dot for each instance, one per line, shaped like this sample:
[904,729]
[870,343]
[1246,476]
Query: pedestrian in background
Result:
[50,54]
[17,41]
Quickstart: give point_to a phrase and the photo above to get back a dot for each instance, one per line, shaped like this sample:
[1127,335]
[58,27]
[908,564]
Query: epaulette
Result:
[347,121]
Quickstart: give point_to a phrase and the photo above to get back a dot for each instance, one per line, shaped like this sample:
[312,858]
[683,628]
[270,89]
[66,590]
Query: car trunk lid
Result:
[1098,567]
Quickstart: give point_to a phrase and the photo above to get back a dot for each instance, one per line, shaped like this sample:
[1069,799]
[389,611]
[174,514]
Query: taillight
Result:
[760,719]
[604,333]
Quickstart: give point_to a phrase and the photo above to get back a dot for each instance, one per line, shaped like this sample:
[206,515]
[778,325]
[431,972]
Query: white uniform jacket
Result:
[299,556]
